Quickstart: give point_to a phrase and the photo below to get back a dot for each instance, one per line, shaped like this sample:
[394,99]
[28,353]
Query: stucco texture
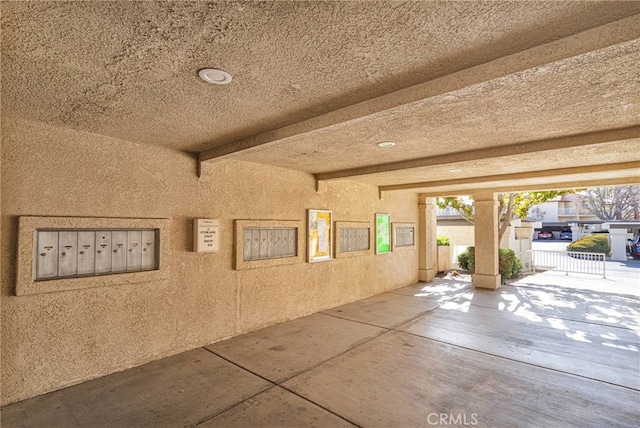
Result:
[53,340]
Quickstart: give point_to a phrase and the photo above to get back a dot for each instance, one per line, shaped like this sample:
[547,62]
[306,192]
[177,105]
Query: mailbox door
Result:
[86,252]
[46,254]
[67,253]
[134,250]
[103,251]
[118,251]
[149,249]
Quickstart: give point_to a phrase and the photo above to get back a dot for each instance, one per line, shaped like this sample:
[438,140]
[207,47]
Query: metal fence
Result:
[569,261]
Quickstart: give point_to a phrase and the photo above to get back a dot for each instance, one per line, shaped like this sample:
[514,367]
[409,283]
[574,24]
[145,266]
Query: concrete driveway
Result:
[440,354]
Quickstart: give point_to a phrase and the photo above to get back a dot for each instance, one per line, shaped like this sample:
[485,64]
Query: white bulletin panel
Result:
[206,235]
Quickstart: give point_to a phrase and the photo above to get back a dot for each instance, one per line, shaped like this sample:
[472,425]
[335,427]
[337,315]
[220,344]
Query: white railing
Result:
[569,261]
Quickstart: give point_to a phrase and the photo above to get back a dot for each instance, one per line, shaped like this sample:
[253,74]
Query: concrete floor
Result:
[440,354]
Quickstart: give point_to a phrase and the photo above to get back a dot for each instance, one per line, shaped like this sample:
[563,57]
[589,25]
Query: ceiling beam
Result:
[565,142]
[559,185]
[516,176]
[594,39]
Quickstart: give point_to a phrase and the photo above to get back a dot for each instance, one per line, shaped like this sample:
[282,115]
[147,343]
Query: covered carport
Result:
[357,108]
[621,234]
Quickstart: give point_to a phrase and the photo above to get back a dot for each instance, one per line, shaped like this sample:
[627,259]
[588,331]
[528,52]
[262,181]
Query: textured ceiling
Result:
[457,85]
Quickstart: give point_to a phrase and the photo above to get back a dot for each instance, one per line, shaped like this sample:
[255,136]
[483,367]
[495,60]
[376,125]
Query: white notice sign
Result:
[206,235]
[323,237]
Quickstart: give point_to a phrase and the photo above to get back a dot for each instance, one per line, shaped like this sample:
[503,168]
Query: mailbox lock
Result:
[99,251]
[63,253]
[81,252]
[43,254]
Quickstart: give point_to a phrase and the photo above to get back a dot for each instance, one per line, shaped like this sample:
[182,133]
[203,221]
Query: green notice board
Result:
[383,233]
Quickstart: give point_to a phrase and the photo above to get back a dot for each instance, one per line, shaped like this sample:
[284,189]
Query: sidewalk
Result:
[620,278]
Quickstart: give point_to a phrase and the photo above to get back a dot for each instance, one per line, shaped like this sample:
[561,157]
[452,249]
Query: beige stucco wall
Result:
[57,339]
[461,235]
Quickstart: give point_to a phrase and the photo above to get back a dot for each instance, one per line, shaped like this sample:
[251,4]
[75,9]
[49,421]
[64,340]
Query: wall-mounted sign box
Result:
[383,233]
[320,239]
[206,235]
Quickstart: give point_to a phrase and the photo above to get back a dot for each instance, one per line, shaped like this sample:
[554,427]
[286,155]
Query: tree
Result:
[511,206]
[537,213]
[612,203]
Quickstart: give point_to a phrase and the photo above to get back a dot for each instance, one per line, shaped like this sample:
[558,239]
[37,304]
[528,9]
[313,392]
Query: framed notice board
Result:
[383,233]
[320,245]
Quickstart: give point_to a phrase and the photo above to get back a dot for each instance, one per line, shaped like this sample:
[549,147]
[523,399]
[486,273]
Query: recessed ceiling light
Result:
[455,170]
[386,144]
[215,76]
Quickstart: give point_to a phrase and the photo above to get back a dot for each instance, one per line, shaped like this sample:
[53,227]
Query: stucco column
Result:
[427,229]
[486,241]
[618,239]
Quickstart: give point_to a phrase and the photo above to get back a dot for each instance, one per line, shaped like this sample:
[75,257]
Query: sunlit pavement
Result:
[439,354]
[619,278]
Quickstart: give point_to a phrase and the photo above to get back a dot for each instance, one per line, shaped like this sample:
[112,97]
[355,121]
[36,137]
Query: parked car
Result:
[634,247]
[566,235]
[545,235]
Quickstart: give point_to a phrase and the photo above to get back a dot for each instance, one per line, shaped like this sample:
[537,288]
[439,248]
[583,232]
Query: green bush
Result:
[591,244]
[463,260]
[466,259]
[509,265]
[443,241]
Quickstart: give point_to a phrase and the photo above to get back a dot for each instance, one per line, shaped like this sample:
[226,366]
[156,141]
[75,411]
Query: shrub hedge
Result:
[509,265]
[591,244]
[466,259]
[443,241]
